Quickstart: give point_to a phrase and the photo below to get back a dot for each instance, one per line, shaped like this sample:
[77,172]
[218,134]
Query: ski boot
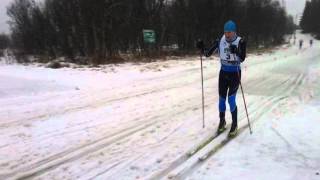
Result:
[234,126]
[222,123]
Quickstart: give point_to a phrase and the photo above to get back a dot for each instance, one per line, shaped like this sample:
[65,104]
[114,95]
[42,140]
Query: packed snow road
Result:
[139,121]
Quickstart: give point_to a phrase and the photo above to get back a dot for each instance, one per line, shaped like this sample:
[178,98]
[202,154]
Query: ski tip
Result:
[203,158]
[173,176]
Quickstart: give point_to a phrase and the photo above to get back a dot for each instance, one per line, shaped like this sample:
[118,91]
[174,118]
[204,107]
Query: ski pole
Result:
[203,122]
[244,102]
[243,97]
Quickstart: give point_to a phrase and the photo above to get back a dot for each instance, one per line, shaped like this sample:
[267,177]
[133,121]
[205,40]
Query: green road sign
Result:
[149,36]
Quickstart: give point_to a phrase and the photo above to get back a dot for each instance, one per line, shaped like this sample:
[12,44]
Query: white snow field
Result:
[140,121]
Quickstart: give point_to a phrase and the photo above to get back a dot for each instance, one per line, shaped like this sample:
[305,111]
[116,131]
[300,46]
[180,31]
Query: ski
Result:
[204,150]
[204,143]
[215,149]
[201,145]
[194,159]
[221,144]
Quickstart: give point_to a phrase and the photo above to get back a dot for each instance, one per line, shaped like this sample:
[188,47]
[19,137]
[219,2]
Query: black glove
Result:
[242,44]
[242,50]
[233,49]
[200,44]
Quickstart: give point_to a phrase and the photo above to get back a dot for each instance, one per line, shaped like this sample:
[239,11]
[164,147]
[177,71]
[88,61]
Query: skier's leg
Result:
[223,88]
[233,88]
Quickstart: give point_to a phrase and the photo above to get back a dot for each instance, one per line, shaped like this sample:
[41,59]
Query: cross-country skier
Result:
[300,43]
[311,42]
[232,51]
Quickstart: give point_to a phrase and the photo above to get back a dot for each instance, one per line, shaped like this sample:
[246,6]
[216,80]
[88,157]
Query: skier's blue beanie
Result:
[230,26]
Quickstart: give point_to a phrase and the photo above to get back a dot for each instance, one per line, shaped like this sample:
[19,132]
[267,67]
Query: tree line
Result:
[311,13]
[102,30]
[4,43]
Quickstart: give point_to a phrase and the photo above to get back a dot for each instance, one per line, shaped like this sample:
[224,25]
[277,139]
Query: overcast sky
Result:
[294,7]
[3,15]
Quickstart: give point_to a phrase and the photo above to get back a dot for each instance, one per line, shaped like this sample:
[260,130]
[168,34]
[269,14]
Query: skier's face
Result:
[229,35]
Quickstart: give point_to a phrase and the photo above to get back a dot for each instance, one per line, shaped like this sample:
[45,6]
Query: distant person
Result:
[300,43]
[232,52]
[311,42]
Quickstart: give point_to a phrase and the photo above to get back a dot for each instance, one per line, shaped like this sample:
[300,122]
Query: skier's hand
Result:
[200,44]
[242,50]
[233,49]
[242,43]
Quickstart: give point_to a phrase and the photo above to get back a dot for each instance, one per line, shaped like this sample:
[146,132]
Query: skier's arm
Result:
[242,50]
[212,49]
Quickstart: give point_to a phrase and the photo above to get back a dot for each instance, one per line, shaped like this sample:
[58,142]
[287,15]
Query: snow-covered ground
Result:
[139,121]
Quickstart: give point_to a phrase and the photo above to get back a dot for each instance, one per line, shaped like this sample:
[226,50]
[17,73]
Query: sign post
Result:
[149,38]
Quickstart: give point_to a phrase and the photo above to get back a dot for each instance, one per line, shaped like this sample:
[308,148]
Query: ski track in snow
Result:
[140,122]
